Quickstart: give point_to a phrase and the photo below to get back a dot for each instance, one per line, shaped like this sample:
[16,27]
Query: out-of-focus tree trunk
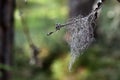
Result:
[82,7]
[6,36]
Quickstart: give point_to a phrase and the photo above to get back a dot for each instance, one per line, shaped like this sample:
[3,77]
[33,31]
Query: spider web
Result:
[81,31]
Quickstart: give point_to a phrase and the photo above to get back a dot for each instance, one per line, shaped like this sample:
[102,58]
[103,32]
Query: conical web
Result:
[81,31]
[81,35]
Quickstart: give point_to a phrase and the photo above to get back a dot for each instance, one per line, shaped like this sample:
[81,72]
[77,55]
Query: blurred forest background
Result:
[100,62]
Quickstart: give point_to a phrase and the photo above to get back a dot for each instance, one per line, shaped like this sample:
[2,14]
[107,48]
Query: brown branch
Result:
[35,50]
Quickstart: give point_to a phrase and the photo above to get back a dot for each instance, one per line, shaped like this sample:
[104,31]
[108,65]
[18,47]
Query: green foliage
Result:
[100,62]
[5,67]
[41,16]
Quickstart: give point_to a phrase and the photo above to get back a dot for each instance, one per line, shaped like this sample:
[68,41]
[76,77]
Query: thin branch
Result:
[75,19]
[34,48]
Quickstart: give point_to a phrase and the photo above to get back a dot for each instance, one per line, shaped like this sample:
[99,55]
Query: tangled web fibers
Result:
[81,31]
